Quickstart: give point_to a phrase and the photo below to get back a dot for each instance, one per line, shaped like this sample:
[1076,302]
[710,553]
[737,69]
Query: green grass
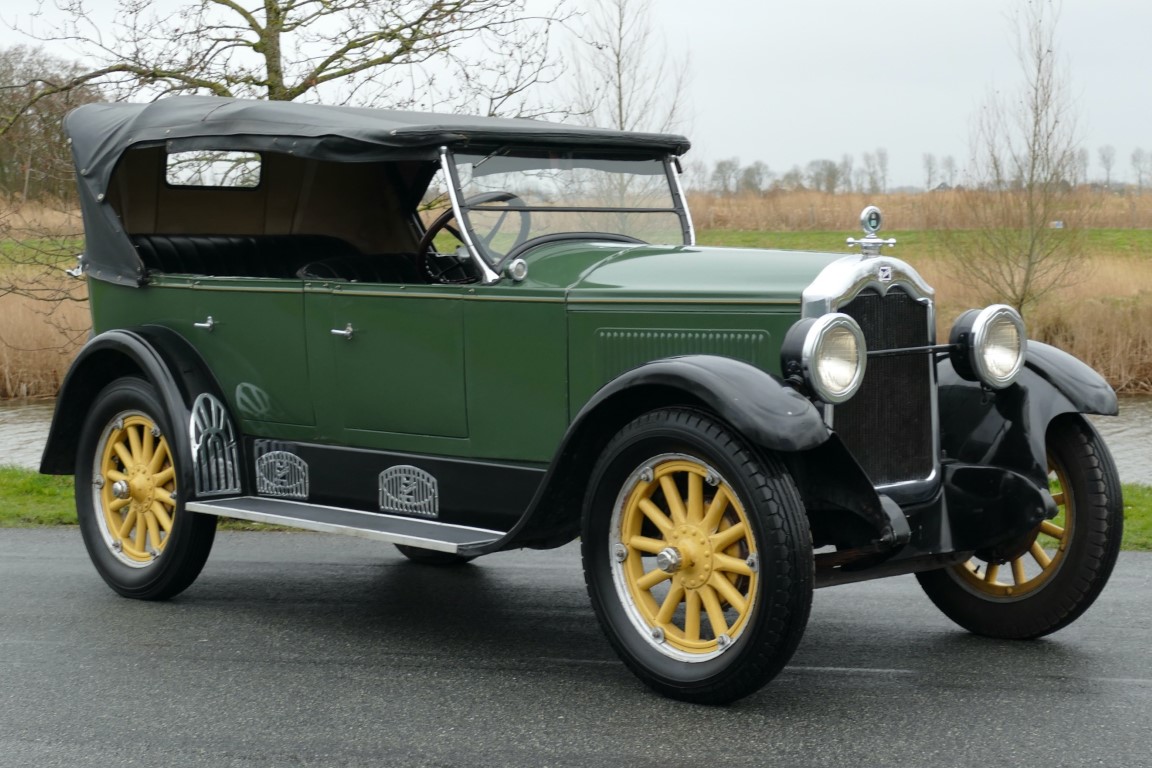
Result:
[29,500]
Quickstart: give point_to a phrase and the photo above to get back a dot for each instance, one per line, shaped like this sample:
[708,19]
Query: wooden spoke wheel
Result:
[129,500]
[1049,577]
[697,557]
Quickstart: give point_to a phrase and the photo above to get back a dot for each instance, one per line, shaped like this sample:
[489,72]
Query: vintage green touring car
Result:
[462,335]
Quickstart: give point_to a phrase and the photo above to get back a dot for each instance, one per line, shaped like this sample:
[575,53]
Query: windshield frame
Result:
[491,265]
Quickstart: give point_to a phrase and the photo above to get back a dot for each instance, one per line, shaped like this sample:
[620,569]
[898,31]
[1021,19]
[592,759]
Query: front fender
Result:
[760,407]
[156,354]
[764,410]
[1006,428]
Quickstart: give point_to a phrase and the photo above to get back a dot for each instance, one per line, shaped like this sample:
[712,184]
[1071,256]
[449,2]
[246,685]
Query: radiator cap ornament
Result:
[871,220]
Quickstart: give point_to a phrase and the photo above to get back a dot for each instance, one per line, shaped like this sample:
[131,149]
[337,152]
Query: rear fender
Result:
[154,353]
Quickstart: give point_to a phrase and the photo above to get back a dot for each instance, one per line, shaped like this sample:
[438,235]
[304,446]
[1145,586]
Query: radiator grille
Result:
[888,424]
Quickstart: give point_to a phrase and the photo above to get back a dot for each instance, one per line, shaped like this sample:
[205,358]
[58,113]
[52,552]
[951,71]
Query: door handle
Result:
[207,325]
[346,332]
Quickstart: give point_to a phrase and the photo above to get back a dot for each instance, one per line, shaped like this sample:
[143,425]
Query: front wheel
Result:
[697,557]
[129,501]
[1047,579]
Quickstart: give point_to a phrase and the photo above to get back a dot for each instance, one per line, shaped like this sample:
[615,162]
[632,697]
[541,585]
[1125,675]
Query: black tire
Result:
[431,556]
[754,582]
[155,554]
[1081,546]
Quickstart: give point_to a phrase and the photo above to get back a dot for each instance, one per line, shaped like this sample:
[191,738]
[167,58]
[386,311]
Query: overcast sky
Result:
[788,81]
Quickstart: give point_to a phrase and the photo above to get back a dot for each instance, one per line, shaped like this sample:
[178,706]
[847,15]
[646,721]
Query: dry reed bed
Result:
[804,210]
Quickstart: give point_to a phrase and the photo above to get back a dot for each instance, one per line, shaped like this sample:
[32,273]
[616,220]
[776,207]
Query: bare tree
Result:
[948,170]
[882,168]
[1138,160]
[929,171]
[489,54]
[726,175]
[624,77]
[1024,162]
[872,175]
[1107,154]
[34,157]
[1083,159]
[845,171]
[755,178]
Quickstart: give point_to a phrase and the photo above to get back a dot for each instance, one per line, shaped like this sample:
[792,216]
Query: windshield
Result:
[510,199]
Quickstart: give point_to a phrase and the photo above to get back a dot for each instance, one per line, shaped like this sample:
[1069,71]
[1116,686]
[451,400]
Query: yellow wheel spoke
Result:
[645,544]
[657,516]
[715,510]
[164,497]
[165,477]
[715,612]
[1018,571]
[126,526]
[695,498]
[1050,528]
[122,452]
[672,498]
[162,517]
[651,579]
[671,602]
[692,616]
[1039,555]
[158,458]
[728,592]
[149,447]
[1058,497]
[114,475]
[134,444]
[722,562]
[728,537]
[153,531]
[991,573]
[118,504]
[141,532]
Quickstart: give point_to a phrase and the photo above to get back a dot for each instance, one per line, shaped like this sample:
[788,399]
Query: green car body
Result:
[281,335]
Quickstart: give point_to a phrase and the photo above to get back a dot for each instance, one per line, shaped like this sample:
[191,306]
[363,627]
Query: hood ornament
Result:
[870,221]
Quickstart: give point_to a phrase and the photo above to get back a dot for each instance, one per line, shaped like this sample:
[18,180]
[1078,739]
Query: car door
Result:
[387,364]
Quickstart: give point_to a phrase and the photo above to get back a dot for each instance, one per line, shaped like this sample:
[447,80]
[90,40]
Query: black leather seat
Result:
[363,268]
[238,255]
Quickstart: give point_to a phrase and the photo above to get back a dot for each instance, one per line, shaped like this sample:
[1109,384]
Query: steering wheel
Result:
[449,269]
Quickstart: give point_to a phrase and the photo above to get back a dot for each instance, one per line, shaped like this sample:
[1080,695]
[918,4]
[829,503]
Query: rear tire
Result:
[130,505]
[697,557]
[1057,570]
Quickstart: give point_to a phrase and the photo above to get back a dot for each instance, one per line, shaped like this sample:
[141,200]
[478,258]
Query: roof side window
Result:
[213,168]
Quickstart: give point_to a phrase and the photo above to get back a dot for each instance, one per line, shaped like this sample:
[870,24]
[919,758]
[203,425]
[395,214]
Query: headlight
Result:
[988,345]
[829,352]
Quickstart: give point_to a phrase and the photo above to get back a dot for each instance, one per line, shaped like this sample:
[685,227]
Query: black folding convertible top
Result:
[102,133]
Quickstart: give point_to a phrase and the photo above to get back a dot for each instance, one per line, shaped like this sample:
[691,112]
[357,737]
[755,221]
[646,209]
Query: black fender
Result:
[154,353]
[1006,428]
[766,412]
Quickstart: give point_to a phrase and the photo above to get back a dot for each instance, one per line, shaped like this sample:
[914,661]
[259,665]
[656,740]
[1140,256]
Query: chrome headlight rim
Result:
[971,334]
[982,327]
[811,354]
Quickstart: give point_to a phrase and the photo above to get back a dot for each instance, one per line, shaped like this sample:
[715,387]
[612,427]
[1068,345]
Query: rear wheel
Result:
[1048,578]
[697,557]
[130,506]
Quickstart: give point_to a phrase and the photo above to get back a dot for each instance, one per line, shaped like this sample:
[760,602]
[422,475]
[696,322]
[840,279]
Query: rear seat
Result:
[238,255]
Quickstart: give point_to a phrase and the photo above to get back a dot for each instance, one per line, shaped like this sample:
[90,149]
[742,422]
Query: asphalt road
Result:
[303,650]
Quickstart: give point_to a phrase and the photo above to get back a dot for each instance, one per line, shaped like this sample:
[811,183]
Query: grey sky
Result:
[791,81]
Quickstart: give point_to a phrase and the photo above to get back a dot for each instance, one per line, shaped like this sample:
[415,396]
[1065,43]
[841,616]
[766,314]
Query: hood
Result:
[686,273]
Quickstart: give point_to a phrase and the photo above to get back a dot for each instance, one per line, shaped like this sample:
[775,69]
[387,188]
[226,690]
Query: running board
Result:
[425,534]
